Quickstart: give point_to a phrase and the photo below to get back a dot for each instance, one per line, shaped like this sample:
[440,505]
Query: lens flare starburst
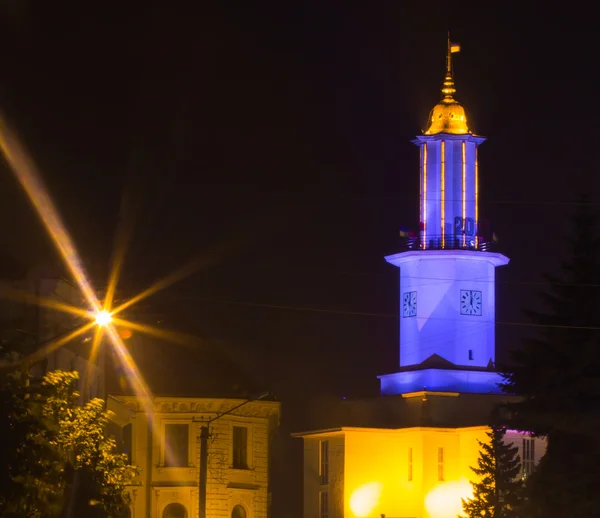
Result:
[103,318]
[99,316]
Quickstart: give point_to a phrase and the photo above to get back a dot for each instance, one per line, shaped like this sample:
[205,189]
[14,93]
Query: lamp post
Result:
[204,435]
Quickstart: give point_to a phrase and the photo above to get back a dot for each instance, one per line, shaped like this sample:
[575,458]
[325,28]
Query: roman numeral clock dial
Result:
[471,303]
[409,304]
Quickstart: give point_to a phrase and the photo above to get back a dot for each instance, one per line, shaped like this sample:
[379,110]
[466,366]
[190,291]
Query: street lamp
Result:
[103,318]
[204,434]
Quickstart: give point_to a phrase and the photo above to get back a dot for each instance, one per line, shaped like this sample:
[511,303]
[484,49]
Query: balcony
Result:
[450,242]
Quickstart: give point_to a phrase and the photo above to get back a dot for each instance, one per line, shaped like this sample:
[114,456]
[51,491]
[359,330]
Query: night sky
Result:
[273,143]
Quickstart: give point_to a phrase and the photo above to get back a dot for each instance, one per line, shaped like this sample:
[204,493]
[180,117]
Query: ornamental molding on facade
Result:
[256,409]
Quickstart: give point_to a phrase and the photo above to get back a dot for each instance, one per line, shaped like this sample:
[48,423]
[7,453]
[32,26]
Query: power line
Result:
[383,275]
[313,196]
[373,314]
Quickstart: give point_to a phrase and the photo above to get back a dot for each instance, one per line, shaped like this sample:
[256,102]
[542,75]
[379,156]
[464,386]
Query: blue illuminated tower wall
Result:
[447,275]
[439,328]
[449,190]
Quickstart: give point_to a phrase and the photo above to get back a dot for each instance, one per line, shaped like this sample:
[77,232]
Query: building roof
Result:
[354,429]
[430,409]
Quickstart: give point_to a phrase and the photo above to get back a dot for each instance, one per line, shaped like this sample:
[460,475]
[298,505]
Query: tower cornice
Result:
[467,137]
[493,258]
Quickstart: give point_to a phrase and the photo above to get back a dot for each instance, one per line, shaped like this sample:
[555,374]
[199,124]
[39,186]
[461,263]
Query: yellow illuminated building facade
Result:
[415,464]
[400,473]
[408,453]
[163,441]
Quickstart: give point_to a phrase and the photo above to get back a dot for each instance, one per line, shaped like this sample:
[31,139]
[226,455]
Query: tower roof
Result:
[448,116]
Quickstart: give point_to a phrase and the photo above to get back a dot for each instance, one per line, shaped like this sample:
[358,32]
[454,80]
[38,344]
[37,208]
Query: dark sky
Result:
[274,142]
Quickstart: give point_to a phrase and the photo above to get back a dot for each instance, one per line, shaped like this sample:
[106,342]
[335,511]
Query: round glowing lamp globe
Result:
[103,318]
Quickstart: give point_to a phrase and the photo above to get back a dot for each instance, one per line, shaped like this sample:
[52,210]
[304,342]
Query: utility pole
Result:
[203,471]
[204,435]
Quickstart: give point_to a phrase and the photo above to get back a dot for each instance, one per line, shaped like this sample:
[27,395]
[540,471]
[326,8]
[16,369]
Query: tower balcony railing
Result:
[450,242]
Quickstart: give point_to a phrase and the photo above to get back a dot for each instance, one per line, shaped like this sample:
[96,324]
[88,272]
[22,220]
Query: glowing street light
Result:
[103,318]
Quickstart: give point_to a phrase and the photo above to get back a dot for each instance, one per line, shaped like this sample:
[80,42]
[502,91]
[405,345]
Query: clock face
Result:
[409,304]
[470,302]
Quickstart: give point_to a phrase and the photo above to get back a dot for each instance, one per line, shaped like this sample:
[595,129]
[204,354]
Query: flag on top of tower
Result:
[454,47]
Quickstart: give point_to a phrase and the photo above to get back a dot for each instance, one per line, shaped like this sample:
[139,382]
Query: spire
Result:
[448,89]
[448,116]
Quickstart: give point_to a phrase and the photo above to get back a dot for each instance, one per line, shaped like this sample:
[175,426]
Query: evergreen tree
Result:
[557,375]
[498,490]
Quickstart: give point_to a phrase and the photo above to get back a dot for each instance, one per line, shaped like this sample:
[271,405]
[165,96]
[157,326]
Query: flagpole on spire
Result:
[448,89]
[449,57]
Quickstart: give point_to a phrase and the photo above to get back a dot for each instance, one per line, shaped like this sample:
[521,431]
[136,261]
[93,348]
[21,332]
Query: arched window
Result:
[238,512]
[175,511]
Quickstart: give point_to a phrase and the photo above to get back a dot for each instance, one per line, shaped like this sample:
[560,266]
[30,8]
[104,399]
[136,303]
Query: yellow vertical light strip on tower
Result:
[424,196]
[443,189]
[476,199]
[464,191]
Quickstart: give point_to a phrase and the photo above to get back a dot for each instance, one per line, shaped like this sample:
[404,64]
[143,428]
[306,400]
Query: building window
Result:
[127,437]
[528,456]
[440,463]
[323,504]
[470,354]
[240,447]
[324,462]
[175,511]
[410,464]
[176,445]
[238,512]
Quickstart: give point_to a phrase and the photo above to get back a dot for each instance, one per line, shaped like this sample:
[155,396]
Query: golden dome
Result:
[448,116]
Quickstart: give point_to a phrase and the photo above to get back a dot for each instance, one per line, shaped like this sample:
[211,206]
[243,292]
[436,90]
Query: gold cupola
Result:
[448,116]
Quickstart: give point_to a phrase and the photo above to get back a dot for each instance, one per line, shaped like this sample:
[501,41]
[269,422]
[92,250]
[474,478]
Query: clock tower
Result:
[447,274]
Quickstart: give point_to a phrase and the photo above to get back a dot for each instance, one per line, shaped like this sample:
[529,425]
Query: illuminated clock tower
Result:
[447,275]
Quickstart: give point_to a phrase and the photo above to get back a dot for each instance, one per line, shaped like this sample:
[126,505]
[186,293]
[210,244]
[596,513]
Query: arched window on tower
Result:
[175,510]
[238,512]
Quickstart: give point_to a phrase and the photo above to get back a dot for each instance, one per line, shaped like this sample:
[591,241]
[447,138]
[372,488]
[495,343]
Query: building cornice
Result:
[468,137]
[207,406]
[493,258]
[332,432]
[425,393]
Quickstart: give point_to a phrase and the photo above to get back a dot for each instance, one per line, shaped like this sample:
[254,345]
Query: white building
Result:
[165,445]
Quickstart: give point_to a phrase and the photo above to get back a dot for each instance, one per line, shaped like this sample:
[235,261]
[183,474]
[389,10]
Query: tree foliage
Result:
[64,463]
[497,493]
[32,482]
[557,376]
